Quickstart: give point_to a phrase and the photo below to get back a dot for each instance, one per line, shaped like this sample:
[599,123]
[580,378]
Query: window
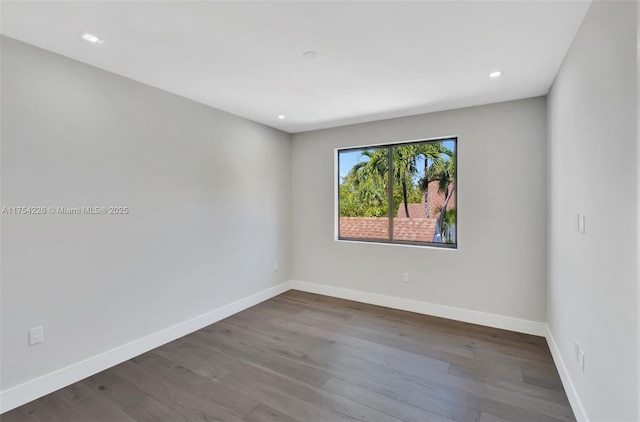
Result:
[399,193]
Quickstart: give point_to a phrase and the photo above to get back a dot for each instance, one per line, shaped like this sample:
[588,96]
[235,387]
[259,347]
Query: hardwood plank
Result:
[382,403]
[556,396]
[98,408]
[200,386]
[321,337]
[14,416]
[406,324]
[74,393]
[446,401]
[395,320]
[211,369]
[546,379]
[276,358]
[413,372]
[434,349]
[49,408]
[301,357]
[283,402]
[264,413]
[119,391]
[32,412]
[151,410]
[486,417]
[184,402]
[540,364]
[290,386]
[288,344]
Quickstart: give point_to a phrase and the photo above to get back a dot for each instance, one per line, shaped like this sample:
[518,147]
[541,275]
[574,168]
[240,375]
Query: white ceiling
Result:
[376,59]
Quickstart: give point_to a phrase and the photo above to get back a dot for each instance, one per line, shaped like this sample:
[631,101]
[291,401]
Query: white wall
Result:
[209,200]
[500,264]
[592,292]
[638,181]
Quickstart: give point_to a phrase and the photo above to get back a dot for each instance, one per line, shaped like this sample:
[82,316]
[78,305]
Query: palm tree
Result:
[444,173]
[433,155]
[372,181]
[404,169]
[449,223]
[370,177]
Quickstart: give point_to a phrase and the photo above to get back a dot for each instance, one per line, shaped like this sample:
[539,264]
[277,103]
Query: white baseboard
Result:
[433,309]
[33,389]
[569,388]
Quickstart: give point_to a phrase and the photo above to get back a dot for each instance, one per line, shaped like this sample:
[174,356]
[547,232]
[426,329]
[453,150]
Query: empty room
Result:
[319,211]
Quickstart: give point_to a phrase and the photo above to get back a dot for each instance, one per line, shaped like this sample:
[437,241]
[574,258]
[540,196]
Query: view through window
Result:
[400,193]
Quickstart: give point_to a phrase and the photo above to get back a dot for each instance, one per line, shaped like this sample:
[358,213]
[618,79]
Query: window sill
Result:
[406,245]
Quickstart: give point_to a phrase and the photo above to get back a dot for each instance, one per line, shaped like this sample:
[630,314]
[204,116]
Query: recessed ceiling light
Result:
[496,74]
[282,116]
[91,38]
[310,55]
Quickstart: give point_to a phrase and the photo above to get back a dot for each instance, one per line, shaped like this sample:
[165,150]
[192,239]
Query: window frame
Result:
[390,216]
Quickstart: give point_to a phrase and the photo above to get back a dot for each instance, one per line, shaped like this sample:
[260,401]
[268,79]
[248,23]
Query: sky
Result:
[348,159]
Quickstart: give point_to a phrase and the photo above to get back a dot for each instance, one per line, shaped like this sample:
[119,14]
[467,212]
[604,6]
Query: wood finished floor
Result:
[310,358]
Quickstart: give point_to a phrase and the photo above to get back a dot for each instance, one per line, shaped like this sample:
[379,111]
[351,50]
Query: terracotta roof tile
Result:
[415,228]
[410,229]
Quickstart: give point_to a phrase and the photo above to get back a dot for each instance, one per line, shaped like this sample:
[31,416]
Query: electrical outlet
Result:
[275,266]
[36,335]
[581,362]
[405,277]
